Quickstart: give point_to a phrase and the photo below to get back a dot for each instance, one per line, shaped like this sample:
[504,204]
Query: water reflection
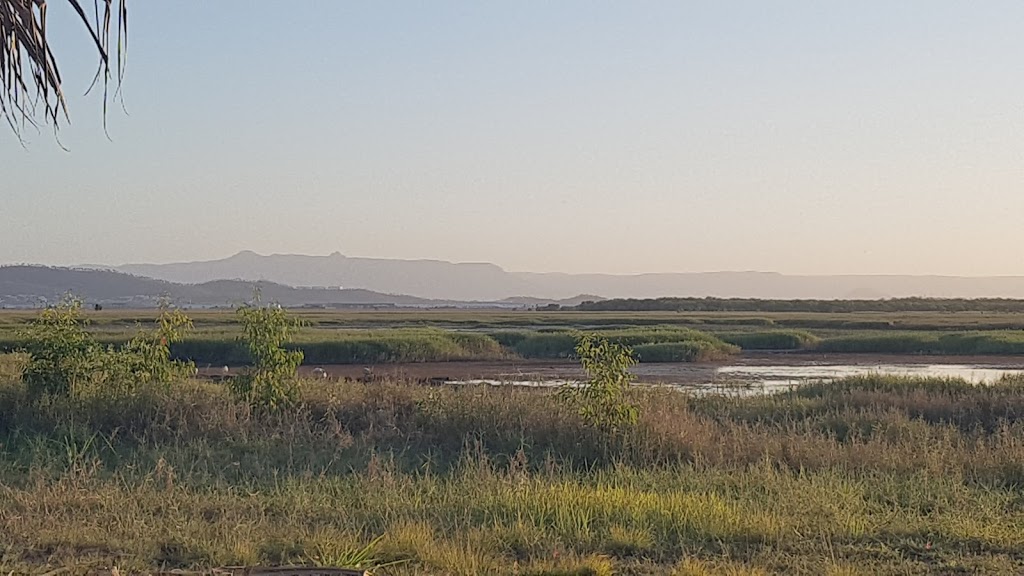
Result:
[748,380]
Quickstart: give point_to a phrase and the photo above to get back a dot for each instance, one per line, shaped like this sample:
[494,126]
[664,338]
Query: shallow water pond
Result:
[753,379]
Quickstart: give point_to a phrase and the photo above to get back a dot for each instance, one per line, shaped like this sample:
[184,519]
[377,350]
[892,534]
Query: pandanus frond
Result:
[30,80]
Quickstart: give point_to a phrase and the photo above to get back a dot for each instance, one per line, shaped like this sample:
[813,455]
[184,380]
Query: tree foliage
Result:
[62,352]
[147,356]
[271,383]
[817,306]
[66,360]
[601,401]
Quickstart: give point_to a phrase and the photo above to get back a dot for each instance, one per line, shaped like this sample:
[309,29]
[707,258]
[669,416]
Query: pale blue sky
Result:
[800,137]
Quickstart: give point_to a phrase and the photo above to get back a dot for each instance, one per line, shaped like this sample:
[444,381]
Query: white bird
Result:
[319,372]
[225,370]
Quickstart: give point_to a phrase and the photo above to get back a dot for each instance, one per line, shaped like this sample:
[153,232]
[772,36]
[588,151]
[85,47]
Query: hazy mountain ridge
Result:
[436,279]
[25,286]
[529,301]
[423,278]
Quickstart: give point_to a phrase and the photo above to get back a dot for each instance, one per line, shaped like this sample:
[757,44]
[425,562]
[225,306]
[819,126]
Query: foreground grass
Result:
[476,520]
[865,476]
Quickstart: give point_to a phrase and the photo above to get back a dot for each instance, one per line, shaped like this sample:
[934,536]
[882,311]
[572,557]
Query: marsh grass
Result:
[12,366]
[689,351]
[654,344]
[994,342]
[369,337]
[870,475]
[771,339]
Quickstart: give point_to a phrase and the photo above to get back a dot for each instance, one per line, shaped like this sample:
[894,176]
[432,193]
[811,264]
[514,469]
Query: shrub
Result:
[64,359]
[146,358]
[271,383]
[62,353]
[601,401]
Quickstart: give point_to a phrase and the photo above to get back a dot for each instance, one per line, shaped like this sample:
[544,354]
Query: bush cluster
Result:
[65,359]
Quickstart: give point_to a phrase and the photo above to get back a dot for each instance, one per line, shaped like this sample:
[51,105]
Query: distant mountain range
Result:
[439,280]
[30,286]
[339,281]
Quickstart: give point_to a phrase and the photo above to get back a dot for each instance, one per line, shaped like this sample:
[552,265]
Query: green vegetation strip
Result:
[993,342]
[439,336]
[1001,305]
[654,344]
[325,346]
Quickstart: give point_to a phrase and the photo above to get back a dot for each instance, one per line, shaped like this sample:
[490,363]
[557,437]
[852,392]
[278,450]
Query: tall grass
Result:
[875,474]
[956,343]
[771,340]
[12,366]
[650,344]
[357,347]
[688,351]
[333,346]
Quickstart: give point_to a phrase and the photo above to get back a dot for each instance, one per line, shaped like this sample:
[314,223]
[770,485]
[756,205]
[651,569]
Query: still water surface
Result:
[752,379]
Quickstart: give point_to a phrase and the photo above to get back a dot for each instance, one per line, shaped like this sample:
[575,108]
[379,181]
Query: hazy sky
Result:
[799,137]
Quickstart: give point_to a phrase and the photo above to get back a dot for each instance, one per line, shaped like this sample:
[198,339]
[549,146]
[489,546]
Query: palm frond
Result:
[30,80]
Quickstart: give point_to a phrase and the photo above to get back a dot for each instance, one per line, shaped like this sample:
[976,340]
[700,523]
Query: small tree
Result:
[601,400]
[271,383]
[62,353]
[147,356]
[66,360]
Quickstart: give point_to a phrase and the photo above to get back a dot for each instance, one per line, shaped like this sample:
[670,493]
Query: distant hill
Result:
[434,279]
[530,302]
[27,286]
[423,278]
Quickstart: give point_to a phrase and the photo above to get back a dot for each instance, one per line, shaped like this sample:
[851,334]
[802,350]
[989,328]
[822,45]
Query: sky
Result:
[801,137]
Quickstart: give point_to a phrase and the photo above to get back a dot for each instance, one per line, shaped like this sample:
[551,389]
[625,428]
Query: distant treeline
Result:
[756,305]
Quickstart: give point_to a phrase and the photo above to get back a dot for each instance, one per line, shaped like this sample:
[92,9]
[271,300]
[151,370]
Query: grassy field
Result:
[863,476]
